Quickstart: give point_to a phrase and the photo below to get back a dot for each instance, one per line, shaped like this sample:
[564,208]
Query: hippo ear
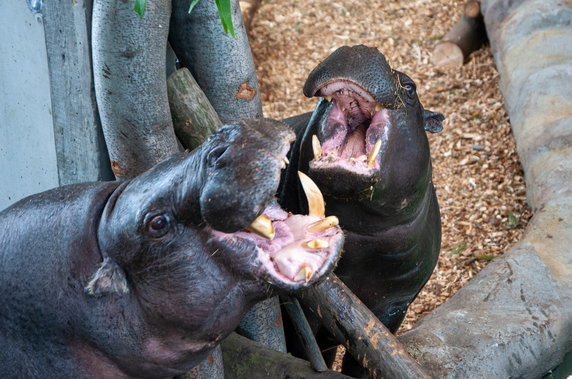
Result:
[433,121]
[109,278]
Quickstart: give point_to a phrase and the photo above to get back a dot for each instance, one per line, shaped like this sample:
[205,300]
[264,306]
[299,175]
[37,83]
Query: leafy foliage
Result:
[139,7]
[223,7]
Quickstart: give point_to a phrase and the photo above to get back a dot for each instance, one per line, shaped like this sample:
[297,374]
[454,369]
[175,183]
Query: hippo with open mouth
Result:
[365,146]
[143,278]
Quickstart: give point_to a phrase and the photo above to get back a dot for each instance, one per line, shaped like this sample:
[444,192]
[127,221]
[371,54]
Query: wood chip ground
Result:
[476,170]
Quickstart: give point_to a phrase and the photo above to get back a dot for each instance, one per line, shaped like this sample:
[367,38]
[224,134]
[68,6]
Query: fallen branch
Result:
[304,333]
[466,36]
[194,118]
[357,328]
[246,359]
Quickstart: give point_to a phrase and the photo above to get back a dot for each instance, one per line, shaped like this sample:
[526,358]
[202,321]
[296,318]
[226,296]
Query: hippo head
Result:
[199,238]
[366,139]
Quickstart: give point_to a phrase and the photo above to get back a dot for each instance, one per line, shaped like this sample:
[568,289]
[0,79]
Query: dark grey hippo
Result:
[143,278]
[365,146]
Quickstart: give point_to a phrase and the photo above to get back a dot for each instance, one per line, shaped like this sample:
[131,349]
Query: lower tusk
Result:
[316,147]
[328,98]
[305,274]
[263,227]
[324,224]
[315,244]
[378,107]
[374,153]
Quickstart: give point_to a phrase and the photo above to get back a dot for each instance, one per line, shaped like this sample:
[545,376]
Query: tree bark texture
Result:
[466,36]
[194,118]
[130,84]
[223,66]
[263,323]
[363,335]
[246,359]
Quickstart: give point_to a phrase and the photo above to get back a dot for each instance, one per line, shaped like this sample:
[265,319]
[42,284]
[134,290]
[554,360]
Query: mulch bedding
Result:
[476,170]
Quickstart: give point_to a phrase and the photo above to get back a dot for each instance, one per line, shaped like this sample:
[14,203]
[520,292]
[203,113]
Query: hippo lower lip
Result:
[353,135]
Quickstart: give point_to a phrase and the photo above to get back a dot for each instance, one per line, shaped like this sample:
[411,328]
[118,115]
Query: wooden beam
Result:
[466,36]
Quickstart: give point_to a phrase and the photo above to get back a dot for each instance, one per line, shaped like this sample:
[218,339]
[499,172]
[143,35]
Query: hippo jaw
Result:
[290,251]
[367,134]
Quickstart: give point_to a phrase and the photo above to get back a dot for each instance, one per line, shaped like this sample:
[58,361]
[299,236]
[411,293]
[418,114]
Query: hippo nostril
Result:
[214,155]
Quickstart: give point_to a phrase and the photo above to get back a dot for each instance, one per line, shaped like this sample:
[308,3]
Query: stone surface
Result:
[515,318]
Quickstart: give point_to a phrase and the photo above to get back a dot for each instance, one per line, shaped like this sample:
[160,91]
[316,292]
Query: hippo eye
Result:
[410,88]
[158,226]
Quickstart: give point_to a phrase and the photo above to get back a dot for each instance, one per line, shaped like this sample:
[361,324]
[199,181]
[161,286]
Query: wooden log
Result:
[246,359]
[194,118]
[304,333]
[466,36]
[357,328]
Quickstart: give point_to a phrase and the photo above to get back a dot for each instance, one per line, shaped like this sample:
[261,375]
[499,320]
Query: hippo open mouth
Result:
[353,134]
[291,249]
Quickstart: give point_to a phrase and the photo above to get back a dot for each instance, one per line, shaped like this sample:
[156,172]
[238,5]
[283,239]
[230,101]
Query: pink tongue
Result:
[355,144]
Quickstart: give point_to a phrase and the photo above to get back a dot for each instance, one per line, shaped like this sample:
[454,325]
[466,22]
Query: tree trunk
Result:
[223,66]
[130,84]
[363,335]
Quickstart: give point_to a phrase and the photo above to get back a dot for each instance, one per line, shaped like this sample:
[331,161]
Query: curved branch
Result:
[130,84]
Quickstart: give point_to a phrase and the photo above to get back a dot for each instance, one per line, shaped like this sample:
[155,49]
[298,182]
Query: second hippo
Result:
[365,146]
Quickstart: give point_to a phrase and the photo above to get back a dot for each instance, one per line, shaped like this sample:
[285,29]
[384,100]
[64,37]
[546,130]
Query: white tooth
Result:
[263,227]
[328,98]
[316,205]
[316,147]
[315,244]
[305,274]
[286,160]
[374,153]
[323,225]
[378,107]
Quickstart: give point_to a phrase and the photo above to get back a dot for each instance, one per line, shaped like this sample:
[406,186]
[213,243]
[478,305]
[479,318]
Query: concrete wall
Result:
[27,147]
[49,130]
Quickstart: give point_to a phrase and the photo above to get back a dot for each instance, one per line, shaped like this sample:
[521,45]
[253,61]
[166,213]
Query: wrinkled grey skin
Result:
[391,218]
[126,279]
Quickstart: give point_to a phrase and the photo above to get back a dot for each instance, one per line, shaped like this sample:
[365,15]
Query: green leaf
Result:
[193,3]
[139,7]
[225,14]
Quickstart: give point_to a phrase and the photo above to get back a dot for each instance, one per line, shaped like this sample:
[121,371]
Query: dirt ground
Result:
[476,170]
